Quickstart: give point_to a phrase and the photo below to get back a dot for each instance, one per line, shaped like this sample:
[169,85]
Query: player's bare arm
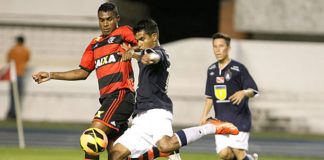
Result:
[77,74]
[207,108]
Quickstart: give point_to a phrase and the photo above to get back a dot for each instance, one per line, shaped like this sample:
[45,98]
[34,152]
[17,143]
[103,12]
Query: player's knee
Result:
[166,144]
[118,152]
[116,155]
[226,154]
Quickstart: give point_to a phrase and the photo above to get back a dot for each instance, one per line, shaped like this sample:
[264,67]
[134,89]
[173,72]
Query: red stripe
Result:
[119,100]
[114,106]
[107,113]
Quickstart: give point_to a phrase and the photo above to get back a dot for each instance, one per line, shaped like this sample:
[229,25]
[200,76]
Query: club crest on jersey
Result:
[228,75]
[220,80]
[111,40]
[105,60]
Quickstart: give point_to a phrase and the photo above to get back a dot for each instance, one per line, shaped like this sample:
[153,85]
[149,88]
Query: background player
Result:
[152,124]
[115,77]
[228,88]
[20,54]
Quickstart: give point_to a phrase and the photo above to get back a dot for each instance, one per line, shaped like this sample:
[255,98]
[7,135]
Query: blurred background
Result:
[280,41]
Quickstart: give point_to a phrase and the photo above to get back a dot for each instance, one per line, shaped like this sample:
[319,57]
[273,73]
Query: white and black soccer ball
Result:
[93,141]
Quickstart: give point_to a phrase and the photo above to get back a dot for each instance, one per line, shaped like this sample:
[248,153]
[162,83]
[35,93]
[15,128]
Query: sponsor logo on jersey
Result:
[235,68]
[98,39]
[221,93]
[105,60]
[113,123]
[212,67]
[98,115]
[220,80]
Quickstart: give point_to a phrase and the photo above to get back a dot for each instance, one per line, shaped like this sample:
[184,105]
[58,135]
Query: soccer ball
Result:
[93,141]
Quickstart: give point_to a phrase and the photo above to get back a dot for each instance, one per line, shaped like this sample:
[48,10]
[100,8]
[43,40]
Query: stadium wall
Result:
[280,17]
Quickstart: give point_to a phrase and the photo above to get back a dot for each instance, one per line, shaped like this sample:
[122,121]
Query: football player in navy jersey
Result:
[228,88]
[152,122]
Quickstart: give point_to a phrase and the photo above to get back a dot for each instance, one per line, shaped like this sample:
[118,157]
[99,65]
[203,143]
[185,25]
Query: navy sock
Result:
[90,157]
[182,137]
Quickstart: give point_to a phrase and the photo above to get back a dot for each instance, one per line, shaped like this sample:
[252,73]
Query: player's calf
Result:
[155,153]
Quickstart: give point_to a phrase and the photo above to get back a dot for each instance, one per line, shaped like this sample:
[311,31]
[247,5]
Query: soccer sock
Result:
[188,135]
[90,157]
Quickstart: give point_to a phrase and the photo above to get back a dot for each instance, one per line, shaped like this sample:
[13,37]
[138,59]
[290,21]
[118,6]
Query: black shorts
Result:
[115,110]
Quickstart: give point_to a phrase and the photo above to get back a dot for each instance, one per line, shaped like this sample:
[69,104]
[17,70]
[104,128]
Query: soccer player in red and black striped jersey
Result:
[115,77]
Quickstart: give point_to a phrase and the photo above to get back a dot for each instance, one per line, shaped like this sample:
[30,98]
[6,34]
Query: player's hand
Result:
[41,77]
[146,59]
[237,97]
[126,56]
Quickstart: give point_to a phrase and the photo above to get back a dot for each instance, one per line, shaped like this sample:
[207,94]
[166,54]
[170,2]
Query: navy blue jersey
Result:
[152,84]
[221,84]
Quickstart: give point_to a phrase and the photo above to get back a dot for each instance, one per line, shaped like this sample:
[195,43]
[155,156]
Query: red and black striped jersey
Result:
[102,55]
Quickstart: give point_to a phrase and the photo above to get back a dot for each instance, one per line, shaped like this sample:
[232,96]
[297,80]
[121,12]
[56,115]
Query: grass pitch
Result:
[11,153]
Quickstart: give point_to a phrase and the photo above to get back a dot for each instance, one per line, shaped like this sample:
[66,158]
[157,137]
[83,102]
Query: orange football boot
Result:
[223,127]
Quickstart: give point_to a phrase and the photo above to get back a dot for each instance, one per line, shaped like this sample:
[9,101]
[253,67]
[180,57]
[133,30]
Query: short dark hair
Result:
[108,6]
[224,36]
[149,26]
[20,39]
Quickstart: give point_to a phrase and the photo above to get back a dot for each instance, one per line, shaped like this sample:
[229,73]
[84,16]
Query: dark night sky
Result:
[183,19]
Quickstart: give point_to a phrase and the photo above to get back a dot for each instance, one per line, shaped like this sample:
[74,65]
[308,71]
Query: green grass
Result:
[10,153]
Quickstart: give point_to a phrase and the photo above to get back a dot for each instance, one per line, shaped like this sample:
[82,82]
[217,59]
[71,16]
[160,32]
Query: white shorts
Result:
[239,141]
[147,128]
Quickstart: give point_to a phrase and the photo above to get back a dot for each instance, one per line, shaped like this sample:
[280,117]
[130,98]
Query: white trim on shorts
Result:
[147,128]
[239,141]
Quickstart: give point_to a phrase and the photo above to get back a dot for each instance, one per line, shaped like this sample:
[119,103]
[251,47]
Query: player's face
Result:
[146,41]
[220,49]
[108,21]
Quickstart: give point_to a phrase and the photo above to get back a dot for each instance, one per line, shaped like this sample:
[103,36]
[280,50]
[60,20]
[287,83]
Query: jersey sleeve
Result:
[128,36]
[248,81]
[208,87]
[87,61]
[162,56]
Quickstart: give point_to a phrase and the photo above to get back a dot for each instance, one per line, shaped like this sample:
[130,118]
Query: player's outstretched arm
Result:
[77,74]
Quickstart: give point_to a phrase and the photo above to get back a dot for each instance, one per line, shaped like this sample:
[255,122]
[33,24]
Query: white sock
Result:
[194,133]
